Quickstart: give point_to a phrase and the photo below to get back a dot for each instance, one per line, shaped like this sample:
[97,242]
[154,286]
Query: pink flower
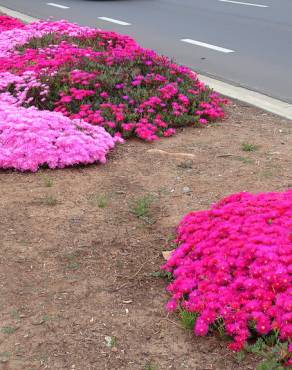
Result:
[30,138]
[169,132]
[104,94]
[201,327]
[66,99]
[203,121]
[233,265]
[171,305]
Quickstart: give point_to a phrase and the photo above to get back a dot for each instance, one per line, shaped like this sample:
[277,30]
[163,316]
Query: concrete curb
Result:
[13,13]
[256,99]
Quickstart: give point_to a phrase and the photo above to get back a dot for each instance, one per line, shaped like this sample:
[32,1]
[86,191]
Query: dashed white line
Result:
[121,23]
[242,3]
[209,46]
[58,6]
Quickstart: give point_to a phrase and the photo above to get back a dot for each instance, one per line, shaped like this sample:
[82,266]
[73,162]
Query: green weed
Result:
[8,330]
[72,263]
[219,327]
[162,274]
[50,201]
[46,318]
[240,356]
[4,354]
[48,182]
[248,147]
[110,341]
[101,201]
[188,319]
[245,160]
[150,366]
[14,315]
[272,352]
[141,207]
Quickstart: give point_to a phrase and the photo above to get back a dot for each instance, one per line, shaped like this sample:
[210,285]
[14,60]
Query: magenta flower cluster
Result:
[234,263]
[95,77]
[81,67]
[8,23]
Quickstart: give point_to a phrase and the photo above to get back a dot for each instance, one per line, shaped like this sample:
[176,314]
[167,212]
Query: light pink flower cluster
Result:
[20,35]
[234,262]
[30,138]
[22,84]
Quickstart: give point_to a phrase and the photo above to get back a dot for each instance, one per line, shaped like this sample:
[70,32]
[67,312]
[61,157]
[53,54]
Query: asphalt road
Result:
[247,43]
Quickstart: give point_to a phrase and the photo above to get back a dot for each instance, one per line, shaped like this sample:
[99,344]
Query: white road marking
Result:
[209,46]
[122,23]
[58,6]
[242,3]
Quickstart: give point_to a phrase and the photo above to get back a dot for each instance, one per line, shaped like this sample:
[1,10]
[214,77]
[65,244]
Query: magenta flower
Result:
[234,262]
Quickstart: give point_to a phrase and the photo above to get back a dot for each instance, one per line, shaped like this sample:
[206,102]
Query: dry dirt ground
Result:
[77,265]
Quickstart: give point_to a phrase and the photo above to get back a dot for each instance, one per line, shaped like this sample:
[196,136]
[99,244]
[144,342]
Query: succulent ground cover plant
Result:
[233,266]
[102,78]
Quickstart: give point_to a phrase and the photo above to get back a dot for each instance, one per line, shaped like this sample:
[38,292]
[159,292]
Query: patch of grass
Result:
[162,274]
[270,365]
[219,327]
[188,319]
[72,263]
[101,201]
[48,182]
[4,357]
[14,315]
[239,356]
[141,207]
[46,318]
[150,366]
[8,329]
[248,147]
[272,352]
[245,160]
[50,201]
[170,238]
[172,246]
[4,354]
[110,341]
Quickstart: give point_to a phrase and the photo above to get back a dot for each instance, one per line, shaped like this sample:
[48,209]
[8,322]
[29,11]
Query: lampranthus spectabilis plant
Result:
[103,78]
[8,23]
[30,139]
[234,263]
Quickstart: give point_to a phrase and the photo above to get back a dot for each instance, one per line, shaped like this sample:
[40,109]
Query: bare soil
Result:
[77,265]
